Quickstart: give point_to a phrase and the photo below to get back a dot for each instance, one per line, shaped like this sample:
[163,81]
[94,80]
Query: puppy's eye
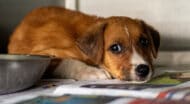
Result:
[144,42]
[116,48]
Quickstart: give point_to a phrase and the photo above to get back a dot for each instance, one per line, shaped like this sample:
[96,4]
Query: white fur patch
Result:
[136,59]
[126,30]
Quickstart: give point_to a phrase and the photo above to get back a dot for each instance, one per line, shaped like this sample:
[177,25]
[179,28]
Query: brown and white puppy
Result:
[124,47]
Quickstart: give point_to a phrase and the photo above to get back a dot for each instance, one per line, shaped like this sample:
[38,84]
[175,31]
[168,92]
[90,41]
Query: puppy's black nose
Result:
[142,70]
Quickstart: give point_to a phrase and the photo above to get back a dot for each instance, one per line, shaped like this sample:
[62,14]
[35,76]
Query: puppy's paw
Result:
[92,73]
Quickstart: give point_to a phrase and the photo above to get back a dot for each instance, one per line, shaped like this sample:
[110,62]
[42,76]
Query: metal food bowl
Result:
[18,72]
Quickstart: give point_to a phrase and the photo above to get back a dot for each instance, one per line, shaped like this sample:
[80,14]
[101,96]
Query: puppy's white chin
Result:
[138,81]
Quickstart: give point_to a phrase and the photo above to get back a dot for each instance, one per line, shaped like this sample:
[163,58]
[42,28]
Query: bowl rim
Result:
[24,57]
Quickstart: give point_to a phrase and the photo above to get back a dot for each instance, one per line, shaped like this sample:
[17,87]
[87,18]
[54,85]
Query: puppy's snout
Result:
[142,70]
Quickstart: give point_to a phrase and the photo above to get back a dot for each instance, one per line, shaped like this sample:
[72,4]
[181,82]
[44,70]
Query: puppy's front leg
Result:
[74,69]
[70,68]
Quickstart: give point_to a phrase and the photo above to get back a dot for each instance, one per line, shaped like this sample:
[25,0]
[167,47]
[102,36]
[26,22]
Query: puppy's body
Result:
[111,43]
[49,29]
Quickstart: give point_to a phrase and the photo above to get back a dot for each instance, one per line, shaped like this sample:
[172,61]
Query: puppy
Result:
[121,46]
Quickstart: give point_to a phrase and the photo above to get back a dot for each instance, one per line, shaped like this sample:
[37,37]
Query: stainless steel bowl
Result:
[18,72]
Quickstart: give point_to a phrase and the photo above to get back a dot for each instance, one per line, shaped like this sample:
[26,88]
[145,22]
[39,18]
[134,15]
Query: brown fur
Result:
[63,33]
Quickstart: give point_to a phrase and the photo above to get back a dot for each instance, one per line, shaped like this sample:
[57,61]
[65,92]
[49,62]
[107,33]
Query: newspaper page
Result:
[168,86]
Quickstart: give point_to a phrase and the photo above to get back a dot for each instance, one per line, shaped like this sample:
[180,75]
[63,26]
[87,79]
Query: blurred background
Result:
[170,17]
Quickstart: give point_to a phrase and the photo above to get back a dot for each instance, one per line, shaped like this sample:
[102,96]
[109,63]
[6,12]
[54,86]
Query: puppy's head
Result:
[124,47]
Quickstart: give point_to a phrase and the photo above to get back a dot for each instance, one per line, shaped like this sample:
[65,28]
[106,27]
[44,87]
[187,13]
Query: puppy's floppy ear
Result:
[156,40]
[155,37]
[92,42]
